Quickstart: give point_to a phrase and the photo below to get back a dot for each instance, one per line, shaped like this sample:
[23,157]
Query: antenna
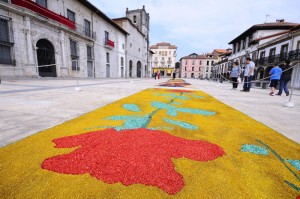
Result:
[267,15]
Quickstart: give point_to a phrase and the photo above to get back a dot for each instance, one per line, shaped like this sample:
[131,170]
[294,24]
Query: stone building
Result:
[136,23]
[267,44]
[164,58]
[192,66]
[70,38]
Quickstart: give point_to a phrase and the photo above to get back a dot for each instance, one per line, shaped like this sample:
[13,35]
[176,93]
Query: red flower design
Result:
[130,156]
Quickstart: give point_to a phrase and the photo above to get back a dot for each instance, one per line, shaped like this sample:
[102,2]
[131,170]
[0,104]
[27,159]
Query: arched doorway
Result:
[130,68]
[139,69]
[46,56]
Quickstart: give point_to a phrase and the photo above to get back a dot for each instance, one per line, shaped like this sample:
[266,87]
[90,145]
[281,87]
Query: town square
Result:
[98,102]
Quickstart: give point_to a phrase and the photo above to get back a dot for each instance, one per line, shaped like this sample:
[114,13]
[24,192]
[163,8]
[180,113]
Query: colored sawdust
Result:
[175,83]
[154,144]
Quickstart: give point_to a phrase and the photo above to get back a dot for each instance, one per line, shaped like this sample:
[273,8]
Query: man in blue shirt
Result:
[275,74]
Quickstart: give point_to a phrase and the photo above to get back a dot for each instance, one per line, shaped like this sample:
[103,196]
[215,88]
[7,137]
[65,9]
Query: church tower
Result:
[141,20]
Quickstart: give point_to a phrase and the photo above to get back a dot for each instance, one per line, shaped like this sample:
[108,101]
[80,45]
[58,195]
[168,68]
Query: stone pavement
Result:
[28,106]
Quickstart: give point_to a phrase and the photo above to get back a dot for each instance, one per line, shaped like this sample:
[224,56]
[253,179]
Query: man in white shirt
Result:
[248,74]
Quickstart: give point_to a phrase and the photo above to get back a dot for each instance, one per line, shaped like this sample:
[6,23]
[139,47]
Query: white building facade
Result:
[267,44]
[164,58]
[60,39]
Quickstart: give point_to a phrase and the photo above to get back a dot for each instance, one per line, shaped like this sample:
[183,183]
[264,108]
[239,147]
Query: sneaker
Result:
[287,94]
[272,94]
[278,94]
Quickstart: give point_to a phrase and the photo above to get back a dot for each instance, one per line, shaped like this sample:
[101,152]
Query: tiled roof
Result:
[280,25]
[165,44]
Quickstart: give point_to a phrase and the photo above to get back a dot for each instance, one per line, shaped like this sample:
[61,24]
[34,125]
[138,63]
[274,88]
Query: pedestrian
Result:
[235,74]
[155,75]
[158,74]
[286,76]
[275,74]
[248,74]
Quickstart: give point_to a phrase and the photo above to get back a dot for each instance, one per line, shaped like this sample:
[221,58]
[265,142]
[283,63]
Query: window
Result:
[200,62]
[107,58]
[284,50]
[70,15]
[298,45]
[139,49]
[238,46]
[193,63]
[192,68]
[123,46]
[89,51]
[185,68]
[106,36]
[234,48]
[74,55]
[122,61]
[244,44]
[42,3]
[4,1]
[207,63]
[6,41]
[250,40]
[185,62]
[254,56]
[272,52]
[199,68]
[134,19]
[262,54]
[130,45]
[212,63]
[87,28]
[169,52]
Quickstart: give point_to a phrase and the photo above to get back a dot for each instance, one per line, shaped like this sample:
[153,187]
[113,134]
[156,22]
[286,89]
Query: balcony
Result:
[44,12]
[108,43]
[85,31]
[276,59]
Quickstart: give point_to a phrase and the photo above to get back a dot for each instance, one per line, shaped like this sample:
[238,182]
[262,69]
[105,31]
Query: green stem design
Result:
[155,111]
[282,161]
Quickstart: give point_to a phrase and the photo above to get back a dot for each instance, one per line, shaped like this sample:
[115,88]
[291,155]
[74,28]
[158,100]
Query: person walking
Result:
[275,74]
[286,76]
[158,74]
[248,74]
[235,74]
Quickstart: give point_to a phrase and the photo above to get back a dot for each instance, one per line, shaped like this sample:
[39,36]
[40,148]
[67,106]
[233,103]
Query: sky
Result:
[200,26]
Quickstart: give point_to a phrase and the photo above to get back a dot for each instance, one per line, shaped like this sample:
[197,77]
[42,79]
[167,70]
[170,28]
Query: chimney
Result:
[143,7]
[281,20]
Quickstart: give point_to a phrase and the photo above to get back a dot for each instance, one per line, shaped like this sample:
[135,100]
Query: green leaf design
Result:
[294,163]
[131,107]
[181,124]
[254,149]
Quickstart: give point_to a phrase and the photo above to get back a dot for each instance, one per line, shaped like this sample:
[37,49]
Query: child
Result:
[275,77]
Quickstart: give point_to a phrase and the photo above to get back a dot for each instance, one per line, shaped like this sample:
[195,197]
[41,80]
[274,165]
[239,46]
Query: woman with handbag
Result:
[235,75]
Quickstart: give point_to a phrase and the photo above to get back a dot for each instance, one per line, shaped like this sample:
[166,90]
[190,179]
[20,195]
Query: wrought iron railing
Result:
[276,59]
[85,31]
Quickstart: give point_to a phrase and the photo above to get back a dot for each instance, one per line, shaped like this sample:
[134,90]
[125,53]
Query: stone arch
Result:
[130,68]
[46,56]
[139,69]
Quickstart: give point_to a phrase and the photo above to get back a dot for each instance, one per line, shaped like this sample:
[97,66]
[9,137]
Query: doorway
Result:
[45,57]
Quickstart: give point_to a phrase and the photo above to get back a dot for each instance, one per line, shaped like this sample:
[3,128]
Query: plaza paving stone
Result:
[28,106]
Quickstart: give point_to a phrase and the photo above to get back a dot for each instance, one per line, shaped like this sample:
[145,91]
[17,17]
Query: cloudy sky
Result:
[199,26]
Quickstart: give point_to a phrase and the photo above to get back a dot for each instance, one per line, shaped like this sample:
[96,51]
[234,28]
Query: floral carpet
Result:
[175,83]
[158,143]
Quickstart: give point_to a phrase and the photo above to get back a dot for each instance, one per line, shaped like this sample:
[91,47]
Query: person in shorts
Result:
[275,74]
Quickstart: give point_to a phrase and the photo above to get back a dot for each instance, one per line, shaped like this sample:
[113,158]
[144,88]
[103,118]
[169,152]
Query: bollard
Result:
[290,103]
